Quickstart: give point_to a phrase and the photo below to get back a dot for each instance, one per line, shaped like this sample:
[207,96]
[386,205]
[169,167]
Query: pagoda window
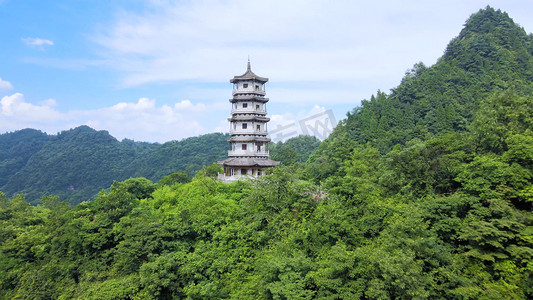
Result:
[243,146]
[244,105]
[258,127]
[244,125]
[256,87]
[258,148]
[257,107]
[244,86]
[244,171]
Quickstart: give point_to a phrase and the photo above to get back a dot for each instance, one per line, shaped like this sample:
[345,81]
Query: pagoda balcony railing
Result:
[233,153]
[247,132]
[248,111]
[257,92]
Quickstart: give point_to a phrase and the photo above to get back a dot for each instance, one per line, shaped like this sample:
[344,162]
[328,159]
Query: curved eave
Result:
[252,98]
[249,75]
[260,139]
[249,118]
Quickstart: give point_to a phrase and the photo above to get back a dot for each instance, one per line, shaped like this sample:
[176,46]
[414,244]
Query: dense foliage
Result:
[400,202]
[17,149]
[76,164]
[490,55]
[295,150]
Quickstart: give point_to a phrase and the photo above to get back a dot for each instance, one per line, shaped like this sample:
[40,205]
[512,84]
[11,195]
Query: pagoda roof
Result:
[249,138]
[249,75]
[248,118]
[248,97]
[248,162]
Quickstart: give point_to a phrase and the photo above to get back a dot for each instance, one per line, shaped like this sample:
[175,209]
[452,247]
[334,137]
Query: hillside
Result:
[425,192]
[17,149]
[76,164]
[491,54]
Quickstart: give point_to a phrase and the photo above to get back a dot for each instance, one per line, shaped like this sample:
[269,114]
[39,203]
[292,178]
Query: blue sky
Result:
[159,70]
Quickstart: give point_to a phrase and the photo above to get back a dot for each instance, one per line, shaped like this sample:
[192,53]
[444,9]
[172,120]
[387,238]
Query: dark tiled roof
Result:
[248,97]
[249,138]
[249,75]
[248,118]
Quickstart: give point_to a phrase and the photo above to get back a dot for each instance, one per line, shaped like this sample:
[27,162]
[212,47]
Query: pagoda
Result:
[248,156]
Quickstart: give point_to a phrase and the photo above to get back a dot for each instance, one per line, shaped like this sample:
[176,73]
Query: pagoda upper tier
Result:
[249,75]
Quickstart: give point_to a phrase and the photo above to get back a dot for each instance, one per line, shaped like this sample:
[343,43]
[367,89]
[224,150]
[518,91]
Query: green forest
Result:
[76,164]
[422,192]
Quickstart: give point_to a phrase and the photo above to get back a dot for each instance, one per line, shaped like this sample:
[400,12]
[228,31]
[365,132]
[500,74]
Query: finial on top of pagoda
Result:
[249,75]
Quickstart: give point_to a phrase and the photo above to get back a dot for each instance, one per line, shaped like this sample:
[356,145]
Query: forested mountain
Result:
[491,54]
[17,149]
[425,192]
[76,164]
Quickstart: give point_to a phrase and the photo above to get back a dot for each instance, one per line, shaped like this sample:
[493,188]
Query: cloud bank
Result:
[349,49]
[143,120]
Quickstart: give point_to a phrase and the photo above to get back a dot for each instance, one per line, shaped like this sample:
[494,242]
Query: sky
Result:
[158,71]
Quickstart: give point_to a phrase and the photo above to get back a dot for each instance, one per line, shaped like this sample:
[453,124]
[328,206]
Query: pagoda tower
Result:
[248,156]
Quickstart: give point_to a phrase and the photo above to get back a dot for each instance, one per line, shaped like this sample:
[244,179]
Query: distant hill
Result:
[77,163]
[16,149]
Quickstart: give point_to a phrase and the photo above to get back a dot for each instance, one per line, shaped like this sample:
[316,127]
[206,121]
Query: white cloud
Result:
[14,108]
[350,49]
[295,40]
[48,102]
[5,85]
[187,105]
[37,42]
[146,121]
[143,120]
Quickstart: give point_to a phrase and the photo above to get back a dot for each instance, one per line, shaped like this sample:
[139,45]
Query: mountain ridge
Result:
[442,98]
[75,164]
